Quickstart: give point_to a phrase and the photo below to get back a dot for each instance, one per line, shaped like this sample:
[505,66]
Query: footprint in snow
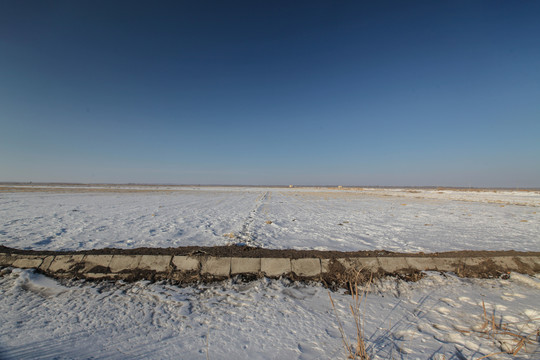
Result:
[311,349]
[450,302]
[466,300]
[510,319]
[404,334]
[443,310]
[442,327]
[532,314]
[333,333]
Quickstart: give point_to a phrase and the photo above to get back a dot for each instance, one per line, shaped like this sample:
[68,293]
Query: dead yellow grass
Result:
[357,349]
[510,336]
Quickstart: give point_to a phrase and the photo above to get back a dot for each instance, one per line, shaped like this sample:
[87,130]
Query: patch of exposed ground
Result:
[254,252]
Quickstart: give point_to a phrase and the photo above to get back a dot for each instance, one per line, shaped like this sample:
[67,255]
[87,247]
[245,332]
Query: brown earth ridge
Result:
[255,252]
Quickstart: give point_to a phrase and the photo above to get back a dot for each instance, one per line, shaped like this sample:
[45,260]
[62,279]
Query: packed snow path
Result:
[389,219]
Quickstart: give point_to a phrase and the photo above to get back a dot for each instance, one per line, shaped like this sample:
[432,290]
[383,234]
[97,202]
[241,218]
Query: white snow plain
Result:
[438,317]
[404,220]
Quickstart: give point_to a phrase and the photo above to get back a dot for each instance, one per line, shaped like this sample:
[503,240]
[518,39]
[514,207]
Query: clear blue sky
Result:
[271,92]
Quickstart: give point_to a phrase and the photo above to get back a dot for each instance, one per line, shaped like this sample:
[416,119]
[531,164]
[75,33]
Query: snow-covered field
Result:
[403,220]
[439,317]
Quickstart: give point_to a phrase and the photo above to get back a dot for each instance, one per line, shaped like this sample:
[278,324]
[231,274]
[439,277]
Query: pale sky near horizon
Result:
[276,93]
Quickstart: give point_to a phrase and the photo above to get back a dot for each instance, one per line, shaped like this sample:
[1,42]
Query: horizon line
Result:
[442,187]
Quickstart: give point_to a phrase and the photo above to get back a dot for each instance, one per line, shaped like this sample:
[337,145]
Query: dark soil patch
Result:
[253,252]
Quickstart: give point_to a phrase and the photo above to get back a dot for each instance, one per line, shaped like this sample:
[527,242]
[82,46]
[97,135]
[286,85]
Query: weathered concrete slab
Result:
[216,266]
[96,262]
[446,264]
[368,264]
[6,260]
[506,263]
[46,263]
[27,262]
[186,263]
[421,263]
[392,264]
[531,263]
[531,260]
[65,263]
[306,267]
[274,267]
[121,263]
[471,261]
[325,266]
[245,265]
[157,263]
[190,268]
[360,264]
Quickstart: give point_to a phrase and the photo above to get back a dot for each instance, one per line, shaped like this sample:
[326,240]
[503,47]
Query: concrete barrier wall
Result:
[192,268]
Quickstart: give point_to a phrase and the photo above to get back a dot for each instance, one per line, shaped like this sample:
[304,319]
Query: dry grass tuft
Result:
[358,349]
[510,336]
[230,235]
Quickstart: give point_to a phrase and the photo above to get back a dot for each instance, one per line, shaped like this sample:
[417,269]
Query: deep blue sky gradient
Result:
[271,92]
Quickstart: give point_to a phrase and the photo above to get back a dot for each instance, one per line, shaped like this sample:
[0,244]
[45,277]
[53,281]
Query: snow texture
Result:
[441,315]
[402,220]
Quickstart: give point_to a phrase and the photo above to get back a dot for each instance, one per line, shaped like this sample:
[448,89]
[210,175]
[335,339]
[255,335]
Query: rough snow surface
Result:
[402,220]
[439,317]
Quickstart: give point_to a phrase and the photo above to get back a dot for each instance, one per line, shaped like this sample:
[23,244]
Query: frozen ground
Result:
[405,220]
[439,317]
